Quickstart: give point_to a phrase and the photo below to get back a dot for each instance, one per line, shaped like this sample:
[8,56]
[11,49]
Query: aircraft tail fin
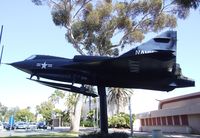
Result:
[0,44]
[165,42]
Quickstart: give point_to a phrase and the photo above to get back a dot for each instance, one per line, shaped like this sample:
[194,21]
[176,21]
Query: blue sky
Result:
[29,30]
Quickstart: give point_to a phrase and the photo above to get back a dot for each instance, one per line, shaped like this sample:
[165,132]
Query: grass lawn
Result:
[66,135]
[54,135]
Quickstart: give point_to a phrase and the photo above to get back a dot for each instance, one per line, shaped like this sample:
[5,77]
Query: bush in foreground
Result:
[120,120]
[102,135]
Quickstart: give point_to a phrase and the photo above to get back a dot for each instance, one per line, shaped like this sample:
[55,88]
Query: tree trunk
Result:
[118,106]
[76,115]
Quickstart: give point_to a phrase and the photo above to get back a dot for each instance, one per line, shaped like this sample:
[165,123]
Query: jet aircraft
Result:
[152,66]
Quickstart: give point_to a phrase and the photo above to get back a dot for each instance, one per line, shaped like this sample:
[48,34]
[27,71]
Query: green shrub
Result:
[102,135]
[120,120]
[91,114]
[87,123]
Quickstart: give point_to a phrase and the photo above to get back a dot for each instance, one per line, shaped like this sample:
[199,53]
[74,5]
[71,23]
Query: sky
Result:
[29,30]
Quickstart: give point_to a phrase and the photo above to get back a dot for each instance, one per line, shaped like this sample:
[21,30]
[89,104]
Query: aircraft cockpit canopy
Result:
[31,57]
[45,57]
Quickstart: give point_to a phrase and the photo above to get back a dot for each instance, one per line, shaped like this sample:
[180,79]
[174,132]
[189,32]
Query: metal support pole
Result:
[97,113]
[103,109]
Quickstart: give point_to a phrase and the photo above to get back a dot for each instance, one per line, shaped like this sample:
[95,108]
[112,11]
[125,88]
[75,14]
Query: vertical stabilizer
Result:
[165,42]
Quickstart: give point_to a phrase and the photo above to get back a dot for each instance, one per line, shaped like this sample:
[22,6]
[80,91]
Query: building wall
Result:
[56,122]
[177,123]
[194,121]
[175,129]
[179,114]
[182,103]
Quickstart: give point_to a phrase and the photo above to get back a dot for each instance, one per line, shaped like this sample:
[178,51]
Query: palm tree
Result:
[119,97]
[56,96]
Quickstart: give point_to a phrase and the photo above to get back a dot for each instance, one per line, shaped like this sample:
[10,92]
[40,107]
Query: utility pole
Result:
[131,118]
[1,33]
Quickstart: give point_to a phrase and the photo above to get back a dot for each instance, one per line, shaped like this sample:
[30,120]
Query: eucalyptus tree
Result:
[188,4]
[45,109]
[25,115]
[106,27]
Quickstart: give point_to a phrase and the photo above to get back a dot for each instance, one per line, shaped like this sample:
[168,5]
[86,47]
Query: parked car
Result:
[21,125]
[8,127]
[5,124]
[1,126]
[32,125]
[41,125]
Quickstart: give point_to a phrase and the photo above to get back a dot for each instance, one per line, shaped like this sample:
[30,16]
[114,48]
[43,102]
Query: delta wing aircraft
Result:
[152,65]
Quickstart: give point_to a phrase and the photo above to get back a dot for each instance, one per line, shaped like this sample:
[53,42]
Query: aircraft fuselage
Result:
[151,65]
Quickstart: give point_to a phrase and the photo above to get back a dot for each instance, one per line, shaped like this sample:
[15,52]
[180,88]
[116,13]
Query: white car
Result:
[21,125]
[32,125]
[1,126]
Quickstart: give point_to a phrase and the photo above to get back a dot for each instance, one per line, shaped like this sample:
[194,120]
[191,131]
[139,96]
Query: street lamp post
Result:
[131,118]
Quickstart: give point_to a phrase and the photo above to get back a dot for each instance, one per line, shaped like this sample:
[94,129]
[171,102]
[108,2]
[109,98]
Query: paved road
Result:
[23,132]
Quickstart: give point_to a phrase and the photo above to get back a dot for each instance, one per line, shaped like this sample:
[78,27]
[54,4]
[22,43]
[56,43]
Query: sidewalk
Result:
[166,135]
[141,134]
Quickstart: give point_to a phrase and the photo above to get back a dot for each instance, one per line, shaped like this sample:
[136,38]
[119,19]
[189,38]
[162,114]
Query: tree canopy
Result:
[91,26]
[56,96]
[45,109]
[194,4]
[25,115]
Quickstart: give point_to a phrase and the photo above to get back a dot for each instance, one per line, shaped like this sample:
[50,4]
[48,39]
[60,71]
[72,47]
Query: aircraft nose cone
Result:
[20,65]
[23,66]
